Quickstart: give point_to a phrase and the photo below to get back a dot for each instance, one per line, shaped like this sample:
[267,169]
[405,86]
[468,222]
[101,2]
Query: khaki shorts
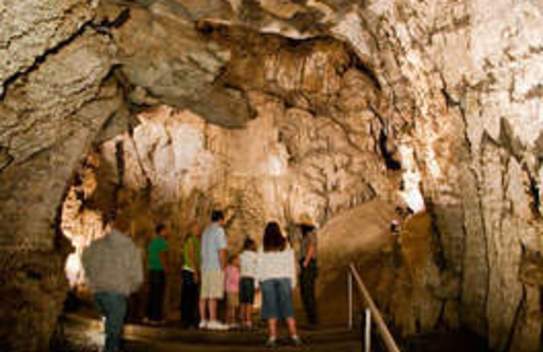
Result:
[212,285]
[232,299]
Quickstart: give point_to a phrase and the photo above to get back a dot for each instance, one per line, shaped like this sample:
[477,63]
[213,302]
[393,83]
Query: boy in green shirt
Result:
[157,262]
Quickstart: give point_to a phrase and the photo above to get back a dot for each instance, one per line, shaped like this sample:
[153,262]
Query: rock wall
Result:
[465,71]
[175,167]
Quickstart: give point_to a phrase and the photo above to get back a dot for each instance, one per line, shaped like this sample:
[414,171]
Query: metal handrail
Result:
[371,309]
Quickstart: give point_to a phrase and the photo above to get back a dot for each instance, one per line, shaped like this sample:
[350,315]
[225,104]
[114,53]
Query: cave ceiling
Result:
[206,57]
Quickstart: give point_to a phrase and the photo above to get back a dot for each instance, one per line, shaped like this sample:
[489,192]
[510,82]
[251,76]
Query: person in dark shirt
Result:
[308,267]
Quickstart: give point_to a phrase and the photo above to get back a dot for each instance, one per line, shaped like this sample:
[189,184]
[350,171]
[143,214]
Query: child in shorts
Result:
[232,277]
[248,263]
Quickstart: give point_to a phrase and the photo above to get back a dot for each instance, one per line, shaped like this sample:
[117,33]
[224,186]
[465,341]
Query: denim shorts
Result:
[277,299]
[247,290]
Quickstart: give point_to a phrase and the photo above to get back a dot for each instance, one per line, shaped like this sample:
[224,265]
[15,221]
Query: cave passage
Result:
[166,170]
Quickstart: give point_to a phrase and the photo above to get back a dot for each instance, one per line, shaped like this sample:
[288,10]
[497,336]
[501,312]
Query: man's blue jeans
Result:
[113,307]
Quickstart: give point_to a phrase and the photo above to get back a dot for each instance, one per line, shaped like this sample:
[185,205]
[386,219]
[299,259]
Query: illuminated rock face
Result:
[335,95]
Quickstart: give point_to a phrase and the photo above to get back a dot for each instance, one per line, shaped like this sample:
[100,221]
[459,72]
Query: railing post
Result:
[367,331]
[388,339]
[350,299]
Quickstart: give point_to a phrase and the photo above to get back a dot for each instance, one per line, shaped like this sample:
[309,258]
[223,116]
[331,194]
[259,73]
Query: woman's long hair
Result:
[273,238]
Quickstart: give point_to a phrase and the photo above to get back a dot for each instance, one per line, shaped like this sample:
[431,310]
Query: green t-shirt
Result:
[189,242]
[157,245]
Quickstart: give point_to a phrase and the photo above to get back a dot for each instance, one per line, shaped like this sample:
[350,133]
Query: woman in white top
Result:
[276,272]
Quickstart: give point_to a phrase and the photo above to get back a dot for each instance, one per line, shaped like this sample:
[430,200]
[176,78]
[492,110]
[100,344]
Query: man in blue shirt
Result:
[213,262]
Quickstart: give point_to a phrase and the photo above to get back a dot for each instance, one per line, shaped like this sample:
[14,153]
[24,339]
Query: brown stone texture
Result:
[274,108]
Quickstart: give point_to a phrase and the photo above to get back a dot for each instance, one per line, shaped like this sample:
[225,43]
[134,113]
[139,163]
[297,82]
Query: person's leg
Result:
[291,324]
[202,306]
[204,295]
[249,315]
[212,306]
[286,309]
[186,277]
[118,313]
[183,303]
[161,287]
[154,296]
[216,293]
[307,291]
[272,329]
[193,310]
[114,308]
[312,316]
[235,316]
[230,311]
[150,297]
[249,300]
[242,314]
[270,309]
[101,300]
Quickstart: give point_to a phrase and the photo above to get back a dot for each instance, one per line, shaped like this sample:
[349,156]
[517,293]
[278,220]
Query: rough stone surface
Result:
[26,36]
[50,113]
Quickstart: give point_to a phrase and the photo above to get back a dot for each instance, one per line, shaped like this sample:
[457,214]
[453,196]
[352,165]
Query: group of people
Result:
[210,273]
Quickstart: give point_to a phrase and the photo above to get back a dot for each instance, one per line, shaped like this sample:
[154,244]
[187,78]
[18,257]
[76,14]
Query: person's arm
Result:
[164,257]
[222,258]
[311,250]
[137,271]
[258,271]
[221,238]
[192,258]
[291,265]
[164,260]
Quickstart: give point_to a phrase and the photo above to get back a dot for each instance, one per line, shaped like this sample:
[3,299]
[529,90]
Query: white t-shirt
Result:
[277,265]
[248,262]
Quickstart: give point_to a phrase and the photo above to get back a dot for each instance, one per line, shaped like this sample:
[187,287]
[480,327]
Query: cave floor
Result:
[82,333]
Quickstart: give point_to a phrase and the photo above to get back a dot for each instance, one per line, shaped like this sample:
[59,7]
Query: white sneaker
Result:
[217,325]
[204,324]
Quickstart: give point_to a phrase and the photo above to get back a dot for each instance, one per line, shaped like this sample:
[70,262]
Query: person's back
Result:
[114,270]
[191,253]
[213,239]
[248,262]
[277,265]
[113,264]
[276,272]
[213,262]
